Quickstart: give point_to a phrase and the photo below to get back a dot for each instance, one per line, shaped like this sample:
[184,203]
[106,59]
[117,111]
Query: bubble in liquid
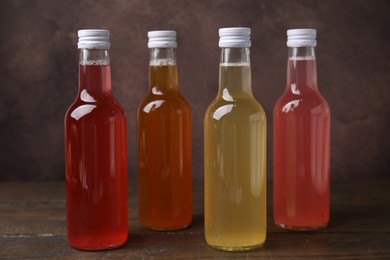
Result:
[162,62]
[95,62]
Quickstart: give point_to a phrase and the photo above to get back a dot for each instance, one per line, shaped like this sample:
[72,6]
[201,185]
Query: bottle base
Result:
[301,228]
[98,248]
[165,228]
[236,248]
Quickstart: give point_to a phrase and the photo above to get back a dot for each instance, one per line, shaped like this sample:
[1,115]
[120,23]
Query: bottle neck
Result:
[301,69]
[234,73]
[163,77]
[94,75]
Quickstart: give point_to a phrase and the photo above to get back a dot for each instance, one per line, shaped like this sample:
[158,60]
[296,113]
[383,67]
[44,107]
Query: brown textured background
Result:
[39,66]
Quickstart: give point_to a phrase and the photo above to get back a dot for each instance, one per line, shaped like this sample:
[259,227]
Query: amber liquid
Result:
[164,154]
[235,165]
[301,151]
[96,164]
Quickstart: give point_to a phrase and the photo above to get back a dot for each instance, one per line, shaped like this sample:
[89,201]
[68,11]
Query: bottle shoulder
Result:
[237,108]
[239,104]
[310,100]
[81,110]
[163,102]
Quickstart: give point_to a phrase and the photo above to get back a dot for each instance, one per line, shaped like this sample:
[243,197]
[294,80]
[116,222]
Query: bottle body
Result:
[96,163]
[164,151]
[301,147]
[235,164]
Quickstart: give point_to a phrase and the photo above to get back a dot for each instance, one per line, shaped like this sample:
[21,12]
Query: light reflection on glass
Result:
[256,161]
[85,96]
[294,89]
[81,111]
[226,95]
[156,91]
[290,106]
[223,110]
[153,105]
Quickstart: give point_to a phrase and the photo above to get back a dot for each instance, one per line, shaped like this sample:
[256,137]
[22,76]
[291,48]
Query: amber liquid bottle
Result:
[301,141]
[235,153]
[95,153]
[164,142]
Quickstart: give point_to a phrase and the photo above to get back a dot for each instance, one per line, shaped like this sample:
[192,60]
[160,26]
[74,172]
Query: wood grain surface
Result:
[33,226]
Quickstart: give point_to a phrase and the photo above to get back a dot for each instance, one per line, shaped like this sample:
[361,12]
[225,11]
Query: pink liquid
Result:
[301,151]
[96,164]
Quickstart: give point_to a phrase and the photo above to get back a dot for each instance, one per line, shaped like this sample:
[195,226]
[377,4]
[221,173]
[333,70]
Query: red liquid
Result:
[301,151]
[164,154]
[96,164]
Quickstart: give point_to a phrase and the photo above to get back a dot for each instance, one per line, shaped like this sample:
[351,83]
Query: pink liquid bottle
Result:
[301,141]
[95,153]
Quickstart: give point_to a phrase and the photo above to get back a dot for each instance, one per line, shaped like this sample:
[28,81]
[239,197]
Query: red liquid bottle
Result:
[95,153]
[301,141]
[164,142]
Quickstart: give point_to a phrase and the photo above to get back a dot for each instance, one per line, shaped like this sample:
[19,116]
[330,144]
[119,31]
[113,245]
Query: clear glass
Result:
[95,159]
[301,147]
[235,159]
[164,148]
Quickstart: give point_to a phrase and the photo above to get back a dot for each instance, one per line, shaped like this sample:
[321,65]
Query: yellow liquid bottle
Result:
[235,153]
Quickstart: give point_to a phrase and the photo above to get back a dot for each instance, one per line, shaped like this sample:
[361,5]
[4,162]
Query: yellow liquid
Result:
[235,165]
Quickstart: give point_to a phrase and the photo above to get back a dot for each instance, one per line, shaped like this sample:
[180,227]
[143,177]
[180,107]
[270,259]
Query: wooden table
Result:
[32,226]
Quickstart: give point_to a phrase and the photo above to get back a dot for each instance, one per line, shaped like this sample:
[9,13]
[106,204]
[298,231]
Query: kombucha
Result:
[301,148]
[164,149]
[235,161]
[96,164]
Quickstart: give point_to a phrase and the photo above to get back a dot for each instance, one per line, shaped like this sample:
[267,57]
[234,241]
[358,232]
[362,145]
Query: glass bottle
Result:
[95,153]
[235,152]
[164,142]
[301,141]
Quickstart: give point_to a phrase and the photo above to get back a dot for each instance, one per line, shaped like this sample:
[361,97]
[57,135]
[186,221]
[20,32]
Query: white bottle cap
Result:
[162,39]
[234,37]
[301,38]
[94,39]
